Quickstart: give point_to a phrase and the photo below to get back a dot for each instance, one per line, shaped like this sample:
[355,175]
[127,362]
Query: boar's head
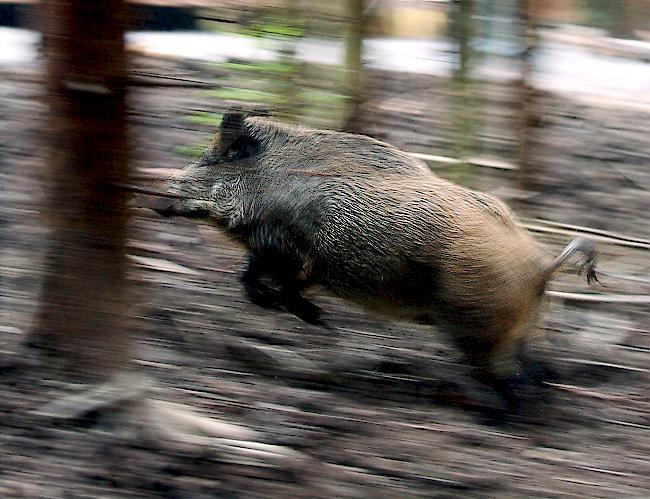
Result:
[215,187]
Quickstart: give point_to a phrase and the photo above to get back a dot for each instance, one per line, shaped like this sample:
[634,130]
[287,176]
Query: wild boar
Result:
[374,226]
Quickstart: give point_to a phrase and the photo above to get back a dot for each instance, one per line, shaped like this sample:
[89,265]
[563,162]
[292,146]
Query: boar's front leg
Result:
[298,305]
[258,292]
[285,273]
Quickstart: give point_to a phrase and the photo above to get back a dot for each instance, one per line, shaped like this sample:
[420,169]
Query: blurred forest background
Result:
[545,104]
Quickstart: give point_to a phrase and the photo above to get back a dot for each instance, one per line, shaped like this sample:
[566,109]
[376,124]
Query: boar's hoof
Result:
[301,307]
[287,298]
[263,296]
[536,371]
[514,393]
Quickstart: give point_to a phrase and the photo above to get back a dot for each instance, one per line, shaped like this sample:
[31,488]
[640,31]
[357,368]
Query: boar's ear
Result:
[235,140]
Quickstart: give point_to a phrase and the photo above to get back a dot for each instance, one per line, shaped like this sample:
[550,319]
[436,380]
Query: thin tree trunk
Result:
[83,302]
[354,64]
[463,34]
[464,102]
[288,82]
[529,168]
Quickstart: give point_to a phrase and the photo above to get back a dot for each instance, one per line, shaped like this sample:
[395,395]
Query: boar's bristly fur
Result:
[374,226]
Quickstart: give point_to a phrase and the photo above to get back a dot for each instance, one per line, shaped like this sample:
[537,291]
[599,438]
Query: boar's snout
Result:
[162,205]
[183,207]
[167,201]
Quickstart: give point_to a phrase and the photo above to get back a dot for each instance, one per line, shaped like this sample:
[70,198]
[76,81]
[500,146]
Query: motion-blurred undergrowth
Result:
[292,89]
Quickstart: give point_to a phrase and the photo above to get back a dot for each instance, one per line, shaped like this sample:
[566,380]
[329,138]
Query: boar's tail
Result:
[578,245]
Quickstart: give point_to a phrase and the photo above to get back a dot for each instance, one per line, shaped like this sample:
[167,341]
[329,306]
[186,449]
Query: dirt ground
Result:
[394,421]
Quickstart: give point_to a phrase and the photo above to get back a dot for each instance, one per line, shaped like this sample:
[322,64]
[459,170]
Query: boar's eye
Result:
[210,157]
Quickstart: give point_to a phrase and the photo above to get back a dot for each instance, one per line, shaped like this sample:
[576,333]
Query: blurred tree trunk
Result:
[614,17]
[83,307]
[464,101]
[529,168]
[83,302]
[463,32]
[354,64]
[287,81]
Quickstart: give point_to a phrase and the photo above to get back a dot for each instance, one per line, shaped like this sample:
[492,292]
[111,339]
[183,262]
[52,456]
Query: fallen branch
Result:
[628,242]
[281,361]
[584,392]
[162,265]
[140,79]
[625,277]
[188,421]
[168,424]
[626,423]
[123,387]
[580,229]
[601,298]
[482,162]
[610,365]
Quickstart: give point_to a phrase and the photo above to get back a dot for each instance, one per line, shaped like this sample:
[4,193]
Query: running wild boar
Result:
[376,227]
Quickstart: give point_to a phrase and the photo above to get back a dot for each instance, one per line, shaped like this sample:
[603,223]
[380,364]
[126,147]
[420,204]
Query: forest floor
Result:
[395,422]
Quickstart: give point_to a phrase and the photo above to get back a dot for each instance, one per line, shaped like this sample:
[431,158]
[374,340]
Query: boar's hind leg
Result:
[509,371]
[537,370]
[285,274]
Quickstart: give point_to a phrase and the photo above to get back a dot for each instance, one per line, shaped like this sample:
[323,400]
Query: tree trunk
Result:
[354,64]
[83,303]
[529,168]
[464,103]
[463,30]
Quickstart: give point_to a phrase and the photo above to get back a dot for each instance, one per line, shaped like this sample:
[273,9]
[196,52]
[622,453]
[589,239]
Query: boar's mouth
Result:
[165,203]
[177,207]
[163,206]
